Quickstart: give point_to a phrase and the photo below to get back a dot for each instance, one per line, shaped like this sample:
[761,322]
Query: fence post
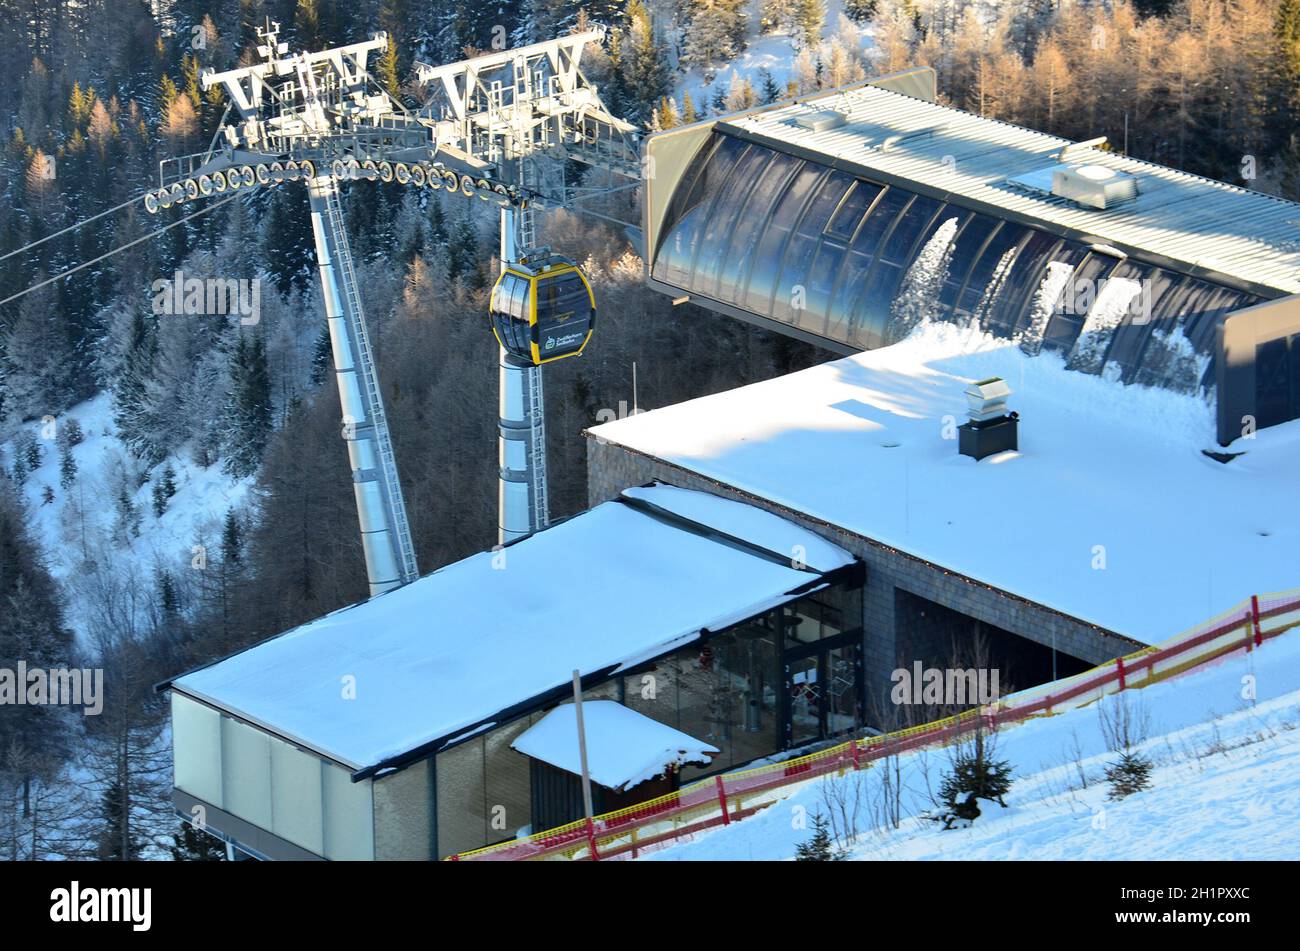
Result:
[722,800]
[591,841]
[1119,665]
[1254,616]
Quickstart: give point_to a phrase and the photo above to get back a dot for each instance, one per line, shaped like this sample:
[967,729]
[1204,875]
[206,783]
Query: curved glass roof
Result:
[861,263]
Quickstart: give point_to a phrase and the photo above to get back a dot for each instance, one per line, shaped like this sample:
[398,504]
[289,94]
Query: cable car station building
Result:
[755,563]
[421,722]
[1143,319]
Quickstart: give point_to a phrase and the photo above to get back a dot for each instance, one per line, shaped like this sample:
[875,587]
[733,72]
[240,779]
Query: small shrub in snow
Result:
[1129,775]
[976,774]
[1125,725]
[820,848]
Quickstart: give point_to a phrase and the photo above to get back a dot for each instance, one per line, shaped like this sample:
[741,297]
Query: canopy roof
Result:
[623,747]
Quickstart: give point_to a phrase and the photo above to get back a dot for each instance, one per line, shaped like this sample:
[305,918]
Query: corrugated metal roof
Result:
[1206,224]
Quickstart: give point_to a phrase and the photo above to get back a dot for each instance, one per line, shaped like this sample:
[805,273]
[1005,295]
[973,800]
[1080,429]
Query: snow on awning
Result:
[624,747]
[478,640]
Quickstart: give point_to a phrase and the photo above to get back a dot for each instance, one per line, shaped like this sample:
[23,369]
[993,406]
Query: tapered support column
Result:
[521,427]
[385,535]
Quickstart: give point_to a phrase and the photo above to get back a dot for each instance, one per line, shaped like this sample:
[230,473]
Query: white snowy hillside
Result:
[109,525]
[1225,783]
[781,56]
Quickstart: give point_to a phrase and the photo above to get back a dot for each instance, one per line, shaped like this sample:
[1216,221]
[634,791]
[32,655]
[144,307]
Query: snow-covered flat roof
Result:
[441,657]
[1109,513]
[623,747]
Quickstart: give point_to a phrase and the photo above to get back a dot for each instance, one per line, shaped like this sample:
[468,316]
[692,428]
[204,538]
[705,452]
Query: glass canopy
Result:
[861,263]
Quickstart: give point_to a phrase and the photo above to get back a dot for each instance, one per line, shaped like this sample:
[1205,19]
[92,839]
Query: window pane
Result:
[1007,317]
[970,242]
[876,303]
[911,224]
[985,280]
[843,710]
[739,253]
[821,282]
[917,297]
[682,237]
[771,248]
[797,260]
[883,216]
[1130,337]
[805,700]
[1072,308]
[865,251]
[849,214]
[730,202]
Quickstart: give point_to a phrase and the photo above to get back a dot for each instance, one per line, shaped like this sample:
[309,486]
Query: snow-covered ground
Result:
[1226,783]
[76,529]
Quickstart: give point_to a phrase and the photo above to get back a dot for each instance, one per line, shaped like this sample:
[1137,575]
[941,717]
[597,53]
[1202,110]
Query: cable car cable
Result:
[130,244]
[84,221]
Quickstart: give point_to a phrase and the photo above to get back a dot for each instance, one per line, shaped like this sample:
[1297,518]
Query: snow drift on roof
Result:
[623,747]
[438,657]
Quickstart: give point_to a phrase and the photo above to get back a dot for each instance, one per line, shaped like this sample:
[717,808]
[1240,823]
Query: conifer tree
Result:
[644,63]
[689,114]
[247,414]
[67,468]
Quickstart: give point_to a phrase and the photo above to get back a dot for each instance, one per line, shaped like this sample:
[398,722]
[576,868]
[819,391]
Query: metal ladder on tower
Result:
[536,399]
[378,420]
[537,448]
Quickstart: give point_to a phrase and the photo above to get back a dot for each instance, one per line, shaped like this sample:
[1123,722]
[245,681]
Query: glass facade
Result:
[786,677]
[862,263]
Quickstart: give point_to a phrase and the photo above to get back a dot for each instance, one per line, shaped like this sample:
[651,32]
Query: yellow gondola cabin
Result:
[543,310]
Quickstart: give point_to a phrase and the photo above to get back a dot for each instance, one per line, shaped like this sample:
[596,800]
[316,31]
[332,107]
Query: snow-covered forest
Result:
[174,488]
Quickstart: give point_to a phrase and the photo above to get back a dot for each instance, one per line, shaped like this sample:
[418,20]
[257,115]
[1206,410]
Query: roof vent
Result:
[1095,186]
[822,121]
[991,428]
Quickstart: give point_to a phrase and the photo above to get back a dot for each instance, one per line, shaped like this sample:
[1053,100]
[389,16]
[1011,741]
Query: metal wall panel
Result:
[348,815]
[296,808]
[196,741]
[246,772]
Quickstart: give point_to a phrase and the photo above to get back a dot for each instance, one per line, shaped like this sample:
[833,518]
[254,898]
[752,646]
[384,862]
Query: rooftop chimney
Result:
[991,428]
